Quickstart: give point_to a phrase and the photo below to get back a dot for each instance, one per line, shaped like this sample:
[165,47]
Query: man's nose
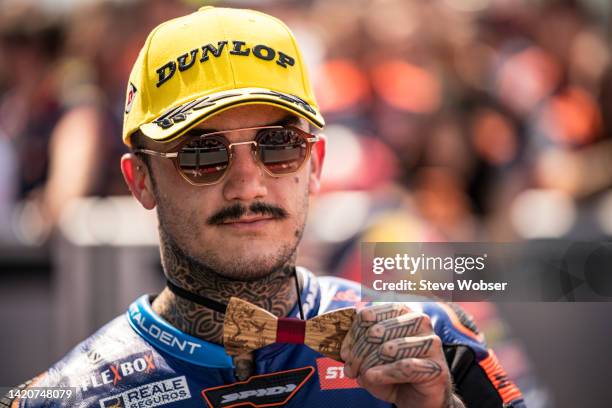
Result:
[245,180]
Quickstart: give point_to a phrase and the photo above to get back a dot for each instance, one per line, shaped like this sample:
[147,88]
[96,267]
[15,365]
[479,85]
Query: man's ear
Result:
[136,176]
[316,165]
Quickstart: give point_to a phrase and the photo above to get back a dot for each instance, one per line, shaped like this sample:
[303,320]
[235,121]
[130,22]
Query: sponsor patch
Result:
[331,375]
[150,395]
[267,390]
[131,95]
[117,372]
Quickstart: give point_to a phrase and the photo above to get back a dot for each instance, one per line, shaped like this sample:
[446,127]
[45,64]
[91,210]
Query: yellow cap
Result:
[195,66]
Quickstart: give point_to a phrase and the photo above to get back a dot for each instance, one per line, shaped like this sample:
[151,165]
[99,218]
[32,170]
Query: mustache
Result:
[237,210]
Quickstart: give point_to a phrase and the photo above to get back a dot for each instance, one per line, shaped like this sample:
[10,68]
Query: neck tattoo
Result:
[275,292]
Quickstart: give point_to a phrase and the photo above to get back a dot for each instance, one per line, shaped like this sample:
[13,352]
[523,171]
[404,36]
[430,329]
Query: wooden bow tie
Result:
[248,327]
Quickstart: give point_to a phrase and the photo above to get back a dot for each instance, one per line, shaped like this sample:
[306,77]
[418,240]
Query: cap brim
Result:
[173,123]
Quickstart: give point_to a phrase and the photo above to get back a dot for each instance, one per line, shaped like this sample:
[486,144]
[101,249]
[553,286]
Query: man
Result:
[218,116]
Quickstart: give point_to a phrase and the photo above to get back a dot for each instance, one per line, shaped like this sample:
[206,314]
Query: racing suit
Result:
[139,360]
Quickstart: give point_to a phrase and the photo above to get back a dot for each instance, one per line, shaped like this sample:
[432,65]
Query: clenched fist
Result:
[395,355]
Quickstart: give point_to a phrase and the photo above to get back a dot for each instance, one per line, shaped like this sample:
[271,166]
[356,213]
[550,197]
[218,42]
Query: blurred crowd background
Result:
[448,120]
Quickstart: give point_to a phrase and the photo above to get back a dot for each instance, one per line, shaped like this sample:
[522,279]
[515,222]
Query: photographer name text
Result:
[411,265]
[427,285]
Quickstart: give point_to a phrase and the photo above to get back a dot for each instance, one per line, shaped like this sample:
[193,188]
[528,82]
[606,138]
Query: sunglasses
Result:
[204,159]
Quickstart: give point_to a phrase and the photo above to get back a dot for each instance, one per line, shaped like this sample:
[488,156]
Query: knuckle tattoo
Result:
[427,370]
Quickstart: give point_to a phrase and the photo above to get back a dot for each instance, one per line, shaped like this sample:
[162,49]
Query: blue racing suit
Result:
[139,360]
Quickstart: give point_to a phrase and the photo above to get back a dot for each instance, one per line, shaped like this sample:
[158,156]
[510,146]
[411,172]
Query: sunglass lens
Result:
[282,151]
[203,160]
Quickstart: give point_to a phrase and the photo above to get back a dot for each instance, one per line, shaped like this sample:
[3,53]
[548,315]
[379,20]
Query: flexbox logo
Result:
[150,395]
[115,372]
[266,390]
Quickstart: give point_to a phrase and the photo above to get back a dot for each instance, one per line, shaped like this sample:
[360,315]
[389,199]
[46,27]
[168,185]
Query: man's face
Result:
[250,223]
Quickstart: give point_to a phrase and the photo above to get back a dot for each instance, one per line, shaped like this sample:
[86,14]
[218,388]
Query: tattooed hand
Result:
[394,354]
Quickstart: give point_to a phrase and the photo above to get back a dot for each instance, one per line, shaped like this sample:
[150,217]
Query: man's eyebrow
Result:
[286,121]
